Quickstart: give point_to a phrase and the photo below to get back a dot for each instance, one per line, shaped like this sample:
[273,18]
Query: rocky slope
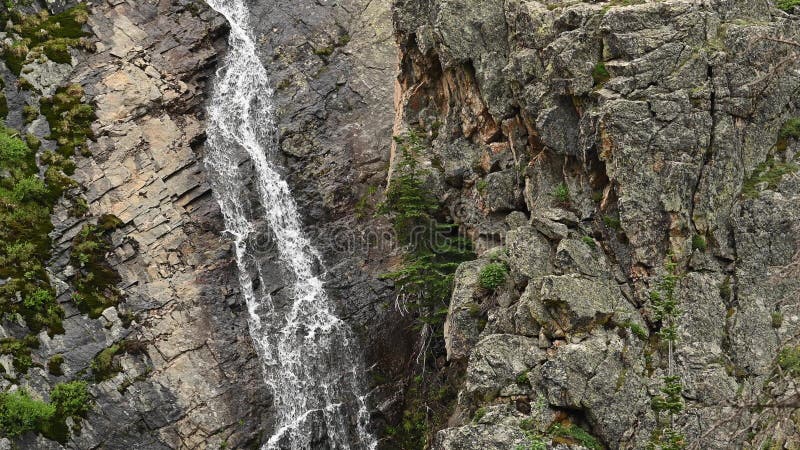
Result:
[585,146]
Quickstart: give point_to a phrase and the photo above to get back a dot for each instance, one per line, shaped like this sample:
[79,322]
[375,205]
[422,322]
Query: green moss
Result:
[70,120]
[589,242]
[522,378]
[21,352]
[30,113]
[777,319]
[52,35]
[600,74]
[26,201]
[95,281]
[612,223]
[324,51]
[54,365]
[103,365]
[791,128]
[492,276]
[769,173]
[479,413]
[636,330]
[3,105]
[699,243]
[725,291]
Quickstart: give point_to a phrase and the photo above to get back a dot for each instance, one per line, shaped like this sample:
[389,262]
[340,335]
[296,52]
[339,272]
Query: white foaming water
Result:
[309,357]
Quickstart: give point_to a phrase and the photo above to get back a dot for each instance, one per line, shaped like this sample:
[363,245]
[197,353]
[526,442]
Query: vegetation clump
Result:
[570,433]
[40,34]
[699,243]
[787,5]
[561,194]
[95,281]
[768,173]
[26,201]
[20,414]
[103,364]
[789,360]
[433,248]
[71,399]
[70,119]
[600,74]
[492,276]
[791,128]
[54,365]
[665,304]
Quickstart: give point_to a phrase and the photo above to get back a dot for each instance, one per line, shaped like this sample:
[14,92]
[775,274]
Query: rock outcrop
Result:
[590,143]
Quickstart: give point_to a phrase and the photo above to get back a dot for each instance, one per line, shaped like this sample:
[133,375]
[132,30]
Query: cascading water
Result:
[309,360]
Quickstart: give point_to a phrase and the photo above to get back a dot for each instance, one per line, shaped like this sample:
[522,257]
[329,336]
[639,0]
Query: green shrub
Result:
[787,5]
[699,243]
[600,74]
[575,434]
[492,276]
[789,360]
[479,413]
[54,365]
[612,223]
[433,249]
[522,378]
[19,413]
[71,399]
[103,365]
[770,173]
[777,319]
[561,194]
[589,242]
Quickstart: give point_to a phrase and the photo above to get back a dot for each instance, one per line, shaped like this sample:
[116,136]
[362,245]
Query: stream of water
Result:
[311,361]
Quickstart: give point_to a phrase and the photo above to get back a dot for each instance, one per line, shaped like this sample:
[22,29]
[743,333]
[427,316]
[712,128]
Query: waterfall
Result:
[311,363]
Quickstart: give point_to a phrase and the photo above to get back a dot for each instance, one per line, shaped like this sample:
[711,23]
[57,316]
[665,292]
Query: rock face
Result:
[588,142]
[187,375]
[581,145]
[333,66]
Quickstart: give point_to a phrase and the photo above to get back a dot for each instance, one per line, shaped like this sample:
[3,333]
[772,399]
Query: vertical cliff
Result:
[624,174]
[614,158]
[152,320]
